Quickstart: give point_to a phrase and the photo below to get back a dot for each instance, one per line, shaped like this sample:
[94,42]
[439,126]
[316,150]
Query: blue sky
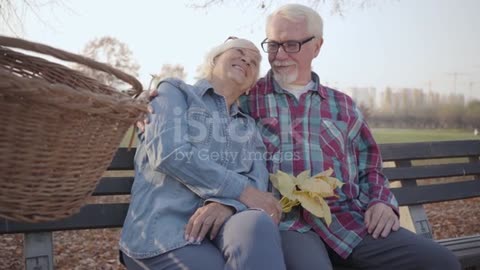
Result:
[397,43]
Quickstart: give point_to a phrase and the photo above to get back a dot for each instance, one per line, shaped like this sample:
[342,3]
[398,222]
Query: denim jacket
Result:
[193,151]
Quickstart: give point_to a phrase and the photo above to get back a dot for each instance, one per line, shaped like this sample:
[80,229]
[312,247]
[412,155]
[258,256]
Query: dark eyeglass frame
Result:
[265,44]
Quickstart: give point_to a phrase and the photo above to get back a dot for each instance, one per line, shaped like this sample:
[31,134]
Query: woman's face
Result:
[239,65]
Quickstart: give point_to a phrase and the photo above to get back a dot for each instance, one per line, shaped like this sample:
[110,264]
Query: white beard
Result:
[285,79]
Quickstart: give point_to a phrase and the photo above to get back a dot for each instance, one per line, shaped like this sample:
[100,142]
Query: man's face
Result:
[292,68]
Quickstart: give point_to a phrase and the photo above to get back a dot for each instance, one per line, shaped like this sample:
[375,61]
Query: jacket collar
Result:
[205,86]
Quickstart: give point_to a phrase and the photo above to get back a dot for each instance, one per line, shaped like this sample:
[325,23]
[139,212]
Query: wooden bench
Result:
[462,161]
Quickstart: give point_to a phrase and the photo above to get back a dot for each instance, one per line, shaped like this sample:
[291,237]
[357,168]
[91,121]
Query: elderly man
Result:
[308,126]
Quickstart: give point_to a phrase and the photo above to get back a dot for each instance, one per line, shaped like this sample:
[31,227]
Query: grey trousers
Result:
[402,250]
[248,240]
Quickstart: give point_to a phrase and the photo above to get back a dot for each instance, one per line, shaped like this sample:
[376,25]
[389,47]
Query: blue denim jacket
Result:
[193,151]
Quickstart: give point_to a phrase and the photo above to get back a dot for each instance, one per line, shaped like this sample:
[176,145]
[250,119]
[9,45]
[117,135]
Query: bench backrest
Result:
[463,160]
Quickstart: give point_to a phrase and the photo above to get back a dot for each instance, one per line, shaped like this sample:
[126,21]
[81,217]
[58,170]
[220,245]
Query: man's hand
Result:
[380,219]
[146,95]
[207,218]
[265,201]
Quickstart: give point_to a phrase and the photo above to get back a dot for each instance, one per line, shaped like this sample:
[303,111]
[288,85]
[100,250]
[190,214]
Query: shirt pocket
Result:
[199,127]
[332,138]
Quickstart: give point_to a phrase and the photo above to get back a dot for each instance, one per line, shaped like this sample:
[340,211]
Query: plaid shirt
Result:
[322,130]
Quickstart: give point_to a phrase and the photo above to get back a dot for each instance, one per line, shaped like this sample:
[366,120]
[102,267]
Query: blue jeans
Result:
[401,250]
[248,240]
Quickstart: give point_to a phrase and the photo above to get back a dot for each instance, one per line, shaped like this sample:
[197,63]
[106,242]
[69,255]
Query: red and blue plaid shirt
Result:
[322,130]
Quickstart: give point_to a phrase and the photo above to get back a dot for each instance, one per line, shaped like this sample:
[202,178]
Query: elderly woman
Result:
[199,198]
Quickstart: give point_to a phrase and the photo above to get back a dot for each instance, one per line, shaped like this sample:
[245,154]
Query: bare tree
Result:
[336,6]
[111,51]
[168,70]
[13,13]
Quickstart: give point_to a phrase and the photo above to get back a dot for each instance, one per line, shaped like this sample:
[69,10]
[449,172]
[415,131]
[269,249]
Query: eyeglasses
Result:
[289,46]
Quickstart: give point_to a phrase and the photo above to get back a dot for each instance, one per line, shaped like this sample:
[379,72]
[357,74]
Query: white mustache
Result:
[283,63]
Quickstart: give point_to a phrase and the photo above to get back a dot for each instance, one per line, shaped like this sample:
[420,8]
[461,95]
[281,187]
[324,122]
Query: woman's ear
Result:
[212,64]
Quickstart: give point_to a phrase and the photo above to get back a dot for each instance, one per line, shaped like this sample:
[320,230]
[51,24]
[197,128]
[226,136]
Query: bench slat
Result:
[432,171]
[429,150]
[437,192]
[467,249]
[123,159]
[460,240]
[114,186]
[91,216]
[460,247]
[123,185]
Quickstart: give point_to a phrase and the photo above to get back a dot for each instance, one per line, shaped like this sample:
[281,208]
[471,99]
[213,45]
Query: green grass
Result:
[393,135]
[396,135]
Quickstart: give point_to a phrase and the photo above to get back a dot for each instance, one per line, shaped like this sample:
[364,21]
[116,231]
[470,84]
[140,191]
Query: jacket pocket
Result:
[199,126]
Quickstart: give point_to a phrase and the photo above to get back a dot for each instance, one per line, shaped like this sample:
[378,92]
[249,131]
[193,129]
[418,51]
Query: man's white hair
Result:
[206,68]
[298,13]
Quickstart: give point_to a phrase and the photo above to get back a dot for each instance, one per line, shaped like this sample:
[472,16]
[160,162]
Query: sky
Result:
[395,43]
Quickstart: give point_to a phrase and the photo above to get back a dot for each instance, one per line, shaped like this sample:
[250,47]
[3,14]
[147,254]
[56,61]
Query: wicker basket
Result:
[59,131]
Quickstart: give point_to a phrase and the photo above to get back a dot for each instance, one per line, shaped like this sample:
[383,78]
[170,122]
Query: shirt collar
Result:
[318,87]
[322,91]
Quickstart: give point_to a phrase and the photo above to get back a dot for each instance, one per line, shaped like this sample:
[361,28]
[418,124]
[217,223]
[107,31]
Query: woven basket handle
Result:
[64,55]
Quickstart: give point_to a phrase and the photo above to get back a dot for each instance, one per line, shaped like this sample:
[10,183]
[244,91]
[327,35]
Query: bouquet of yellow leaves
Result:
[306,191]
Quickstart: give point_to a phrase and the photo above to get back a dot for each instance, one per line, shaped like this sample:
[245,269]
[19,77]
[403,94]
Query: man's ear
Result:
[318,45]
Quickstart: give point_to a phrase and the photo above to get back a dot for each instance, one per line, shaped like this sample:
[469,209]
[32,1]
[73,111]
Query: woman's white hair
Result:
[296,13]
[206,68]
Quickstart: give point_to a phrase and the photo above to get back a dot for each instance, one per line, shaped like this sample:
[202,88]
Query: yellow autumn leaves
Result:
[306,191]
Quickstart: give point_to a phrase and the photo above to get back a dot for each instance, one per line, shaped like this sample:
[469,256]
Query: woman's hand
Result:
[265,201]
[207,218]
